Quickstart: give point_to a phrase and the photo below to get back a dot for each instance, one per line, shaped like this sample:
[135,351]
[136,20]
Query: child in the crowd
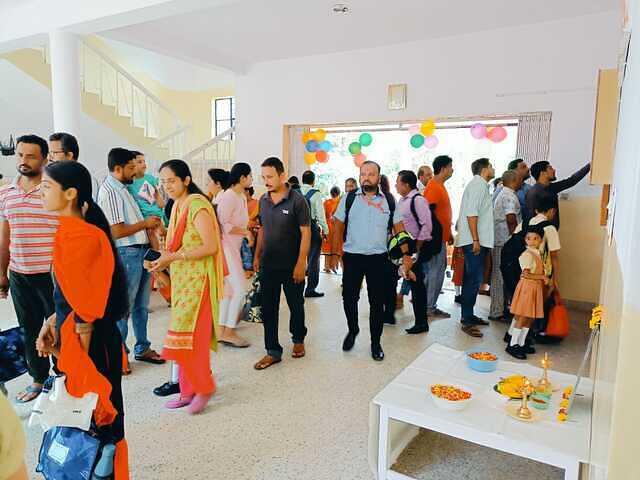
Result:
[148,197]
[528,300]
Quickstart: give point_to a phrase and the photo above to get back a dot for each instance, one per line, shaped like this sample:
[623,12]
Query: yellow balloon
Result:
[427,128]
[309,158]
[320,134]
[306,136]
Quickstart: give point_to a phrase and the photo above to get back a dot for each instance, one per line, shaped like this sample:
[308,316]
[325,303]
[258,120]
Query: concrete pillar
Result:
[64,49]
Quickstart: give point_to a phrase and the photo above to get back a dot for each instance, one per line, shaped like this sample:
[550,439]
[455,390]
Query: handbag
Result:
[558,324]
[71,454]
[12,356]
[252,310]
[56,408]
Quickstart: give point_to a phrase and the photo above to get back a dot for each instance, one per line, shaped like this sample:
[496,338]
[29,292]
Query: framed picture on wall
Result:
[397,96]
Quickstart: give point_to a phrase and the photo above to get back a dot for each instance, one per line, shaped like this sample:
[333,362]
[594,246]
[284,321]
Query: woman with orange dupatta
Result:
[90,296]
[194,255]
[331,257]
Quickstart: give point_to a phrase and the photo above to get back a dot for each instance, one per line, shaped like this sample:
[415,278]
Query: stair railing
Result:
[219,152]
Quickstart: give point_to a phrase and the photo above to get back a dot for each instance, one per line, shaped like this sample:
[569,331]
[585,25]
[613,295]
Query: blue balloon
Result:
[312,146]
[325,146]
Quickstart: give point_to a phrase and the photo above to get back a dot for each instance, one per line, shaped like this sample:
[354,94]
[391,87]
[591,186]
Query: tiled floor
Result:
[306,418]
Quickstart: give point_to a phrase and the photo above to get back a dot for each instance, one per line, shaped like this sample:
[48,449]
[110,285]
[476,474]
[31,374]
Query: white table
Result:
[485,421]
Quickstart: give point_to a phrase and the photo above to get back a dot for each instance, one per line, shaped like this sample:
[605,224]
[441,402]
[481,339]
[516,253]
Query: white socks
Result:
[515,335]
[174,372]
[513,325]
[523,336]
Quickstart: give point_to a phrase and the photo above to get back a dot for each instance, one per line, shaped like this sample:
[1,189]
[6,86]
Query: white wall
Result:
[487,72]
[25,107]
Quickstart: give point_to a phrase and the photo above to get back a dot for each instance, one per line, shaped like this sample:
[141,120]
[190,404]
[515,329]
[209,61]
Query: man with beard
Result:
[128,228]
[26,249]
[546,184]
[368,217]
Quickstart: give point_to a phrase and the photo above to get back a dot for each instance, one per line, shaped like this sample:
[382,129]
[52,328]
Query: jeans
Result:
[434,277]
[271,281]
[32,296]
[498,298]
[373,268]
[473,273]
[139,288]
[313,261]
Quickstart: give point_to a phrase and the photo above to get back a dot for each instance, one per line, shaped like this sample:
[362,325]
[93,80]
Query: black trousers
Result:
[32,297]
[390,291]
[313,260]
[271,283]
[419,294]
[375,269]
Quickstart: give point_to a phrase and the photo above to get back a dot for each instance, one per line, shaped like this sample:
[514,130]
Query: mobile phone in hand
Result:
[151,255]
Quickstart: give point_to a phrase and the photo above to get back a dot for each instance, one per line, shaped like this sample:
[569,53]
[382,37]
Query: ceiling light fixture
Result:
[341,8]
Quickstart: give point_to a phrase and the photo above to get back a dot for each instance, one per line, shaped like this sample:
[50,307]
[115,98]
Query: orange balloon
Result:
[359,159]
[321,156]
[320,134]
[309,158]
[306,136]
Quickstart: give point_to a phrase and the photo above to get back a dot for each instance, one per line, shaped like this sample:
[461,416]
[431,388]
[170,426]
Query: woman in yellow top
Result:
[194,256]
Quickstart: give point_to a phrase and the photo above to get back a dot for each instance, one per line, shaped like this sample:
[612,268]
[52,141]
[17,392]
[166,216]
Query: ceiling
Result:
[241,33]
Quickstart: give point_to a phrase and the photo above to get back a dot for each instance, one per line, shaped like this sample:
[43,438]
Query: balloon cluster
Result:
[316,147]
[496,134]
[355,148]
[423,135]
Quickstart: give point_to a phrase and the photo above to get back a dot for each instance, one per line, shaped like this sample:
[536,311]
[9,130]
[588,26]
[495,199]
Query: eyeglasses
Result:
[56,152]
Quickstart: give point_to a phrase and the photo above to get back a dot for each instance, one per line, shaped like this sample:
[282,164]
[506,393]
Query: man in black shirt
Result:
[546,183]
[281,258]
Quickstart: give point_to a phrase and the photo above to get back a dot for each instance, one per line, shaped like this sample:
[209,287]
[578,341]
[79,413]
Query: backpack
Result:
[351,197]
[510,256]
[432,247]
[315,228]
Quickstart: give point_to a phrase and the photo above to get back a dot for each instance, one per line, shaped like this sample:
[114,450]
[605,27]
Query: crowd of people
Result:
[110,243]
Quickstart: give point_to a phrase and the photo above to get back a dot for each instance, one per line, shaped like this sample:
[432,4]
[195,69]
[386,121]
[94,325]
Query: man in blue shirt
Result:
[367,221]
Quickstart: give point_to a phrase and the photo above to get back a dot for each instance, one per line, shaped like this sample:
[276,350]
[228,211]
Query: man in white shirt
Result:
[507,216]
[475,237]
[425,173]
[319,229]
[64,147]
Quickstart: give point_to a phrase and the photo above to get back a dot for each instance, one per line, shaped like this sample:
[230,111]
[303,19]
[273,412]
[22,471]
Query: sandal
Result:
[472,331]
[298,350]
[266,362]
[29,394]
[150,356]
[244,343]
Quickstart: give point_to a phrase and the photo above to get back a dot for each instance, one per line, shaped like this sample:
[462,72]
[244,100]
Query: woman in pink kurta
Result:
[234,218]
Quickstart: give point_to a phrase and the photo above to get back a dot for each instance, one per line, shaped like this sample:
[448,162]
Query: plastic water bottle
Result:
[104,467]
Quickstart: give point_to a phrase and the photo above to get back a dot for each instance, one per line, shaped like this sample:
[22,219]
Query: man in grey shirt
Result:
[545,177]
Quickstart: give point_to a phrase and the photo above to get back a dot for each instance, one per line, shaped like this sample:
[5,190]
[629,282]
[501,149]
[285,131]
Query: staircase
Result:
[219,152]
[112,96]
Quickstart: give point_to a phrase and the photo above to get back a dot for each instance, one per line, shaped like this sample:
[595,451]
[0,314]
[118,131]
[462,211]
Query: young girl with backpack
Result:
[528,299]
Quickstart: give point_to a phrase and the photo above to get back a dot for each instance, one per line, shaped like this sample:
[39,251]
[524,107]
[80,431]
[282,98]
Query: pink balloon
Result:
[413,129]
[497,134]
[359,159]
[478,131]
[431,141]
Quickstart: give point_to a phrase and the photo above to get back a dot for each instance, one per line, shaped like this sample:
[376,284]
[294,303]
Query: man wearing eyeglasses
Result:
[63,147]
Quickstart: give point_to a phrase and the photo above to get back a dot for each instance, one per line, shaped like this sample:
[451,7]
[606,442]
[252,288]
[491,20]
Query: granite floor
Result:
[304,418]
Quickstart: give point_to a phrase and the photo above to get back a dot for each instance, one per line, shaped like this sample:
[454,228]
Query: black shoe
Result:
[458,299]
[314,294]
[475,320]
[528,349]
[497,318]
[349,340]
[167,389]
[507,338]
[417,329]
[390,320]
[516,351]
[376,353]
